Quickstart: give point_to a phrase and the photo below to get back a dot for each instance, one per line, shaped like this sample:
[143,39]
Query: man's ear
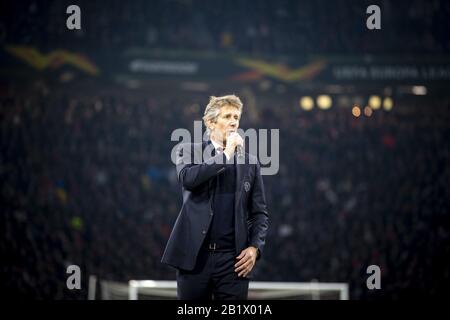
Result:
[209,124]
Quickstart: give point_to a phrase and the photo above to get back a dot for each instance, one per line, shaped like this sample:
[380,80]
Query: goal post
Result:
[259,290]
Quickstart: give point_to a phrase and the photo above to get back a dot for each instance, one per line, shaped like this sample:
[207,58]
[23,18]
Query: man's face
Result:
[228,120]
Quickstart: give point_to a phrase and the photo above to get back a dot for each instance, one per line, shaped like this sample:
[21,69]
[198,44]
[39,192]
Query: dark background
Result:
[85,169]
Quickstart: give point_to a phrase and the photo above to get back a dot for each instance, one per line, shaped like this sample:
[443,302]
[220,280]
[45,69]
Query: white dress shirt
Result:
[219,148]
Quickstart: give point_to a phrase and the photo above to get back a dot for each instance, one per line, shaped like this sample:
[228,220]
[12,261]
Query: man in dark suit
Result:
[221,229]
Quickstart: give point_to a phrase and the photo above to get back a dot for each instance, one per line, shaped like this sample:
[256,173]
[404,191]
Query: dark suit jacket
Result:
[192,224]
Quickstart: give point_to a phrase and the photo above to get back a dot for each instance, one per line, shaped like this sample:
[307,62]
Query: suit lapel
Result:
[209,153]
[238,214]
[240,170]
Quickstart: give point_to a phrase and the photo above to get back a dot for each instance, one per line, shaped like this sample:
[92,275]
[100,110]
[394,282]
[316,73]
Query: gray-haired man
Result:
[221,229]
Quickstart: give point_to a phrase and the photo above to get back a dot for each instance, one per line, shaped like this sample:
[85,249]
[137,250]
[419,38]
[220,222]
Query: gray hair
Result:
[212,110]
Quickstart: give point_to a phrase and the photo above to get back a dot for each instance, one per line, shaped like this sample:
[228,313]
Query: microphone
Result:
[240,151]
[239,148]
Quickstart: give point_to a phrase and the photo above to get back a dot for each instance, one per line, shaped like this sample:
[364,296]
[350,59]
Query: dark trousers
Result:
[212,277]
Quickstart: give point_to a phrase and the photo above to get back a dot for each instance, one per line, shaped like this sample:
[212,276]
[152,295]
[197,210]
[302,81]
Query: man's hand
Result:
[246,261]
[233,140]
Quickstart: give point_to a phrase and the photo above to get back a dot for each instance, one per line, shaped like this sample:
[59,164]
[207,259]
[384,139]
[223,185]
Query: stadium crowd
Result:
[259,27]
[88,180]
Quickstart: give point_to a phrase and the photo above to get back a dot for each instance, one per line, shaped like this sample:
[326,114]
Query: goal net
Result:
[258,290]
